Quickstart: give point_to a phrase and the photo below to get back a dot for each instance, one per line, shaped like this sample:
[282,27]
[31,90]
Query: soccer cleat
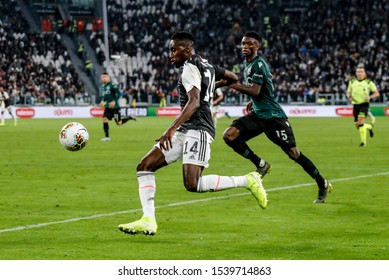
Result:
[371,133]
[256,188]
[321,198]
[145,225]
[227,115]
[132,118]
[105,139]
[264,169]
[362,145]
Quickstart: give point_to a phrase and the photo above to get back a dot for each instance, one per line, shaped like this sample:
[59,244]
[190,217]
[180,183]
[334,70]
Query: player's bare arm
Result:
[349,96]
[219,99]
[375,94]
[190,108]
[228,79]
[252,90]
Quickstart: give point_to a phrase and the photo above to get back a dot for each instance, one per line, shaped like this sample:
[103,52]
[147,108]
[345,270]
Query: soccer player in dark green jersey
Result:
[110,101]
[266,116]
[360,91]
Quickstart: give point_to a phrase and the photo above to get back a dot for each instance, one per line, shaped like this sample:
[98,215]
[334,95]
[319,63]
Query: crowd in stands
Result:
[312,51]
[35,68]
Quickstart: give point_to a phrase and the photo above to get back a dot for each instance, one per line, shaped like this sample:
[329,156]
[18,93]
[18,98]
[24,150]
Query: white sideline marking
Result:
[179,204]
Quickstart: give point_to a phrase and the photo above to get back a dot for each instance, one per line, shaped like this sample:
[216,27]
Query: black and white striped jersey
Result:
[198,72]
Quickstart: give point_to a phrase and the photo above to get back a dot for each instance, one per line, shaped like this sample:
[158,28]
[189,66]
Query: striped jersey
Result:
[198,72]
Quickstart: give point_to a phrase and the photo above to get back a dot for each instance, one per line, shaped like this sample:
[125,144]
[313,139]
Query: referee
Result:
[360,91]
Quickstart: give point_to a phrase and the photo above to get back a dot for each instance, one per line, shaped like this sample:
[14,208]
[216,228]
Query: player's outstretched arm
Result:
[252,90]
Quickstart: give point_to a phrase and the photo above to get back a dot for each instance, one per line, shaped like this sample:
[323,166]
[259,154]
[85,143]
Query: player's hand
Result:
[102,104]
[112,104]
[249,106]
[165,141]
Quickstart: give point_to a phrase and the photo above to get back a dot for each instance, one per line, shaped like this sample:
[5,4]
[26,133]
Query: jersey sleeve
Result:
[372,86]
[219,72]
[258,73]
[191,77]
[350,87]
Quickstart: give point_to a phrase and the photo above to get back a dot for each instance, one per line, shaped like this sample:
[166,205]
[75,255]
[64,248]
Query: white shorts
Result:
[215,109]
[192,147]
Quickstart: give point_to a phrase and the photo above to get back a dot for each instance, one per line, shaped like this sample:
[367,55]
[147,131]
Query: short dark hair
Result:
[184,36]
[254,35]
[104,73]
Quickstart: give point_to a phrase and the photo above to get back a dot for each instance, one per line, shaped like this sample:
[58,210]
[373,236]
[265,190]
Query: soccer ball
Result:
[73,136]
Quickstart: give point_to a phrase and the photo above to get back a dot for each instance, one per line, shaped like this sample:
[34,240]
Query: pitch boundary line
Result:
[19,228]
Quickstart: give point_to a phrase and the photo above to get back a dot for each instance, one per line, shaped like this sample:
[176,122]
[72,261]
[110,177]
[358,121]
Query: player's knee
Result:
[228,136]
[293,154]
[190,184]
[144,166]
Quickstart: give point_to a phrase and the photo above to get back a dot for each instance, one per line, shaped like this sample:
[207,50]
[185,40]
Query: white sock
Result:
[147,187]
[213,183]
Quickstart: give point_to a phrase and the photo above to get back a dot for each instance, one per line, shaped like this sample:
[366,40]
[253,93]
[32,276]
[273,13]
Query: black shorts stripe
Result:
[203,145]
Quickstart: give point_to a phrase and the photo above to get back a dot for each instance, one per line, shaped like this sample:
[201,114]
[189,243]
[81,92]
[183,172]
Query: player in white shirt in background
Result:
[5,104]
[218,97]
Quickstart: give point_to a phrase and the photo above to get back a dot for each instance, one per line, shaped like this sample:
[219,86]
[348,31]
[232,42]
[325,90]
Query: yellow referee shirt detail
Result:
[360,90]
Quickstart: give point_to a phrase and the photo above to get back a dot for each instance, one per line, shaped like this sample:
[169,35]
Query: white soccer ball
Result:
[73,136]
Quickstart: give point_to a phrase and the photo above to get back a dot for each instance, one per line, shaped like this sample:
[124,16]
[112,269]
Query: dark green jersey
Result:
[109,93]
[265,107]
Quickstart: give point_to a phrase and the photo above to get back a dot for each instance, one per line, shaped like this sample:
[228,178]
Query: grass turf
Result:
[63,205]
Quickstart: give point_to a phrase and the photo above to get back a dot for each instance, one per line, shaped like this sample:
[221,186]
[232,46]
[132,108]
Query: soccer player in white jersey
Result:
[188,137]
[5,104]
[218,97]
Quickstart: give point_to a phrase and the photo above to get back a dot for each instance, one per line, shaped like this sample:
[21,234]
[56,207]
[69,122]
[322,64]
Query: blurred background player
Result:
[360,91]
[110,101]
[217,98]
[5,104]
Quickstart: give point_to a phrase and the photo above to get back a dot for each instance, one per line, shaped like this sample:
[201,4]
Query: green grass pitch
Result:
[61,205]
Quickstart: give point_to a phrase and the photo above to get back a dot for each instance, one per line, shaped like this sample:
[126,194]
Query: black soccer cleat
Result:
[266,168]
[322,195]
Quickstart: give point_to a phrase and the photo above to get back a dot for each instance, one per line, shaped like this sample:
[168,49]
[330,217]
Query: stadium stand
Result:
[312,47]
[35,67]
